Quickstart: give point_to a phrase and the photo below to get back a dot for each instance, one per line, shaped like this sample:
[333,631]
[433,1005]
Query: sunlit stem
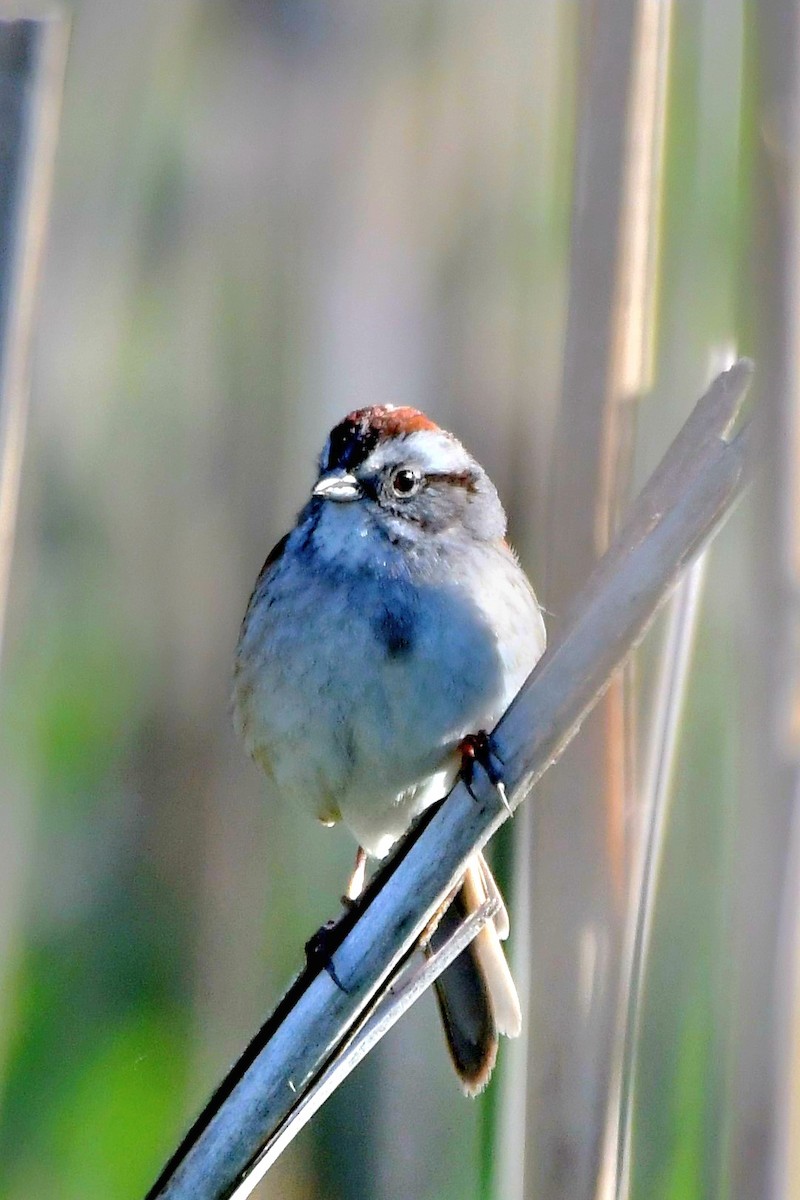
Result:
[656,792]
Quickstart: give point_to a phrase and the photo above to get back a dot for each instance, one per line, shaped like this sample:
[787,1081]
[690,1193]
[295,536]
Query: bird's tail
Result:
[476,994]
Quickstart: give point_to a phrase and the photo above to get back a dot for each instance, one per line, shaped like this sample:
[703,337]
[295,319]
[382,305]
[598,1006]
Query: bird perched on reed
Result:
[389,625]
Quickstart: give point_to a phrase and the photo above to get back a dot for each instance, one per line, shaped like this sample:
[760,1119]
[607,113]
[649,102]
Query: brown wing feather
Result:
[274,555]
[242,690]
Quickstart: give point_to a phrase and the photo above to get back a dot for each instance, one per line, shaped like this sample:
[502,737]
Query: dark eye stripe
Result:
[463,479]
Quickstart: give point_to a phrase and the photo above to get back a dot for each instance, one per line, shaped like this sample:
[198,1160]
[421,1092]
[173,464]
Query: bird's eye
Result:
[405,482]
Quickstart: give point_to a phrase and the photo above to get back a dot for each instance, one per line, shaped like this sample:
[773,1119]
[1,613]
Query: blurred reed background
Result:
[265,213]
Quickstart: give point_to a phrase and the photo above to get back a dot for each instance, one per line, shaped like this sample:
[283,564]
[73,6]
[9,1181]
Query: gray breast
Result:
[395,629]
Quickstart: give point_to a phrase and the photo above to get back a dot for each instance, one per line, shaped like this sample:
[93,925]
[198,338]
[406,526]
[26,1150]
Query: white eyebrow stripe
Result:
[436,452]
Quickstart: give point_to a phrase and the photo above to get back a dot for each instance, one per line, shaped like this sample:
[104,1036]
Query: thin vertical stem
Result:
[32,56]
[781,514]
[786,1166]
[633,335]
[765,928]
[654,801]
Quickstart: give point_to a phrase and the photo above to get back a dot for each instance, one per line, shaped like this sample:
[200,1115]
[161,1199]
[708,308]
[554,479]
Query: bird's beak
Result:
[337,487]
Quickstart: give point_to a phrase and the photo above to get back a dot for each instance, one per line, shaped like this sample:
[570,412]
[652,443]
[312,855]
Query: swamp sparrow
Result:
[388,626]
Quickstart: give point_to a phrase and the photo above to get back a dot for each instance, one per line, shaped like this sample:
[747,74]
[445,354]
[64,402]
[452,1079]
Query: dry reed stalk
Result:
[607,368]
[764,1156]
[32,56]
[32,59]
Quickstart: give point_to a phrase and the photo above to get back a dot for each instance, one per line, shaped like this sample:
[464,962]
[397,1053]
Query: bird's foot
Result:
[321,946]
[320,949]
[478,747]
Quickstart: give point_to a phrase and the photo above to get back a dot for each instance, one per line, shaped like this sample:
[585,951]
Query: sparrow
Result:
[390,625]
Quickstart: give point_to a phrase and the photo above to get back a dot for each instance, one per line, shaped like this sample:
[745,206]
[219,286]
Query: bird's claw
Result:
[500,788]
[478,747]
[319,953]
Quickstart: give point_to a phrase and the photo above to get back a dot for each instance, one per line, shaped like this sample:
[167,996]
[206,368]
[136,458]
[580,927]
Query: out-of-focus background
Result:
[266,213]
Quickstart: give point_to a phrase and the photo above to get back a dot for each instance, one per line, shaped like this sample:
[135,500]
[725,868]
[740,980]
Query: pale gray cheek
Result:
[441,508]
